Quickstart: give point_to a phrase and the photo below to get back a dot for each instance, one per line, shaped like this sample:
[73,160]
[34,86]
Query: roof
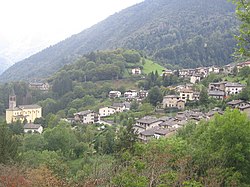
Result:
[83,113]
[118,105]
[216,93]
[185,90]
[153,131]
[235,102]
[171,96]
[234,84]
[149,132]
[114,92]
[32,126]
[36,83]
[244,107]
[148,120]
[162,131]
[218,83]
[29,106]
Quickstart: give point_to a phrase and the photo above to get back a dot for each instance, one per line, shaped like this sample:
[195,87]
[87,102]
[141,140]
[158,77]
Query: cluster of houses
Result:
[221,90]
[129,95]
[150,127]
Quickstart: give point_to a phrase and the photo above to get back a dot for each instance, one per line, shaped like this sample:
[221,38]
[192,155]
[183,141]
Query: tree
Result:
[222,145]
[8,145]
[243,14]
[155,96]
[60,138]
[203,96]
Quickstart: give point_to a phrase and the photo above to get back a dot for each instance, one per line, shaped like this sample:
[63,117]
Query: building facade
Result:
[22,112]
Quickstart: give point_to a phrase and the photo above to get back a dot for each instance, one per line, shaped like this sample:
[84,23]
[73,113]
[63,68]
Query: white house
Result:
[233,88]
[136,71]
[114,94]
[195,78]
[39,86]
[106,111]
[130,94]
[30,127]
[87,117]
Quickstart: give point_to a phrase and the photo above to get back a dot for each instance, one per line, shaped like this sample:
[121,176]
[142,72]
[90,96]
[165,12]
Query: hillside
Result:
[4,64]
[186,33]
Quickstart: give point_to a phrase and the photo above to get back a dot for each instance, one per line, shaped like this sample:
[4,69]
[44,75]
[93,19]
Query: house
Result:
[119,107]
[130,94]
[243,64]
[22,112]
[183,72]
[173,101]
[136,71]
[156,133]
[33,128]
[233,88]
[145,123]
[195,78]
[86,117]
[203,71]
[245,109]
[39,86]
[229,68]
[236,103]
[106,111]
[146,135]
[142,94]
[167,72]
[196,96]
[186,94]
[217,94]
[220,86]
[170,101]
[114,94]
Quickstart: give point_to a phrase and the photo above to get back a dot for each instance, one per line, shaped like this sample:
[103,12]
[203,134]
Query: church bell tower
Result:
[12,100]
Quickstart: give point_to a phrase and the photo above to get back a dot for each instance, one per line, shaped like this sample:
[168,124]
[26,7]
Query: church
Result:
[22,112]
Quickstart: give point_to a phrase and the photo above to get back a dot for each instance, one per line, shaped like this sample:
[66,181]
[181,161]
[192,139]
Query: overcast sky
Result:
[52,20]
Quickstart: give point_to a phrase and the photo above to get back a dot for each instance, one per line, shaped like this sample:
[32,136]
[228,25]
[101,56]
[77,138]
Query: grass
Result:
[150,66]
[235,79]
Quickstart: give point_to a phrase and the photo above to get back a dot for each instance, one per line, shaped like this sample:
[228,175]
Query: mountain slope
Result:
[4,64]
[184,33]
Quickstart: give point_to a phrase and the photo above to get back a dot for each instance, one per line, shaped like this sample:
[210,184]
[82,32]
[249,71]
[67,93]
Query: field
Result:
[150,66]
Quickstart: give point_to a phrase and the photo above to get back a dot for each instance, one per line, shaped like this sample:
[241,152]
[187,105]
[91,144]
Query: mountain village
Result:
[147,127]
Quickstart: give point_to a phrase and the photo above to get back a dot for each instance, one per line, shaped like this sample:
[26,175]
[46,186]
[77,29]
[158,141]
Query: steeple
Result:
[12,100]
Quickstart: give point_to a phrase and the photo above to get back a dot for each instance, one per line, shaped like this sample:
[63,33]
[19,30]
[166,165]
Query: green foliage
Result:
[221,146]
[8,145]
[204,96]
[150,66]
[34,142]
[155,96]
[243,14]
[60,138]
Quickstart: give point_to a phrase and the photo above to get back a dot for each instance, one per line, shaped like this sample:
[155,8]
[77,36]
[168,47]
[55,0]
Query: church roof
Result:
[29,106]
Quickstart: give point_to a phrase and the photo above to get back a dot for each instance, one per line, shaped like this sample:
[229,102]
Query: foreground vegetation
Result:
[214,153]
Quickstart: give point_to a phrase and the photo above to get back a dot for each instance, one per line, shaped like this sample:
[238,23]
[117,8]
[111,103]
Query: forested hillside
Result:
[184,33]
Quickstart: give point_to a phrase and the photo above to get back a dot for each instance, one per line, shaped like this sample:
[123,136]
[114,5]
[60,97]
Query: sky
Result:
[27,23]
